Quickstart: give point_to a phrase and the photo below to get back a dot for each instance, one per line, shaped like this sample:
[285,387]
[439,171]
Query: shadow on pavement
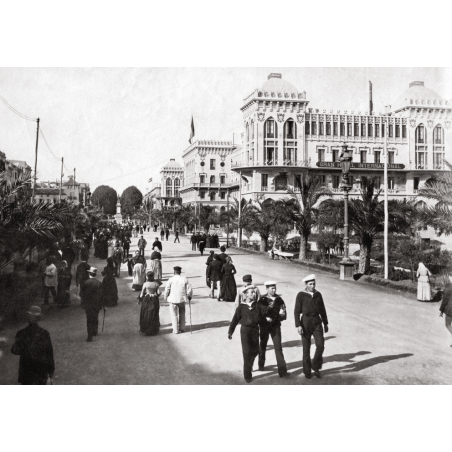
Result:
[295,343]
[208,326]
[345,357]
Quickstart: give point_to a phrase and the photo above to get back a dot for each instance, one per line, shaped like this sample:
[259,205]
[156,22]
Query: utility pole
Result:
[239,226]
[61,178]
[36,160]
[386,201]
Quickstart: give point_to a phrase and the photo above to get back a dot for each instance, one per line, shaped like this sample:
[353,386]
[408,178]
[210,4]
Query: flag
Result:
[192,132]
[150,180]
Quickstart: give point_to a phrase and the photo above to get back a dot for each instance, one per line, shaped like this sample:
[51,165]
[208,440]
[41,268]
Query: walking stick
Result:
[103,321]
[189,307]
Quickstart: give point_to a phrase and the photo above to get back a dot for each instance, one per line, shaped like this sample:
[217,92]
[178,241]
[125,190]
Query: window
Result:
[403,131]
[222,179]
[377,130]
[342,129]
[397,131]
[335,181]
[264,180]
[169,188]
[363,156]
[391,156]
[252,130]
[356,129]
[270,144]
[223,195]
[290,129]
[363,130]
[377,156]
[247,132]
[383,128]
[438,157]
[420,137]
[212,196]
[438,135]
[390,131]
[370,130]
[281,182]
[321,155]
[321,128]
[176,187]
[328,128]
[377,182]
[313,128]
[336,155]
[202,178]
[290,144]
[391,184]
[202,194]
[322,178]
[335,128]
[271,128]
[307,128]
[212,164]
[416,181]
[349,129]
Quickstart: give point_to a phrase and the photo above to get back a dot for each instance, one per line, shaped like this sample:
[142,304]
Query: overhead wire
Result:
[50,149]
[16,111]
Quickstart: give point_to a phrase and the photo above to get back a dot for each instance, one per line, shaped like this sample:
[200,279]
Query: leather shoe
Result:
[261,368]
[90,339]
[285,374]
[308,376]
[248,380]
[316,373]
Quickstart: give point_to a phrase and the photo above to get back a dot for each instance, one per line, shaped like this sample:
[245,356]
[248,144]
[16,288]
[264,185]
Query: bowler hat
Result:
[34,310]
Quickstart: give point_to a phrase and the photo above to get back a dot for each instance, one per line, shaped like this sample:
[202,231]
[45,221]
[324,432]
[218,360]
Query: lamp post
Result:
[346,264]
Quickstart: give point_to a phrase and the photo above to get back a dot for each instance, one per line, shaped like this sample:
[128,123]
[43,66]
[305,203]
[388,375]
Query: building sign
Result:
[396,166]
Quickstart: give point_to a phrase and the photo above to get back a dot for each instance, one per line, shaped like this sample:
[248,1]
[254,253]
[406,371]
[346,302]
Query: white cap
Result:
[269,283]
[309,278]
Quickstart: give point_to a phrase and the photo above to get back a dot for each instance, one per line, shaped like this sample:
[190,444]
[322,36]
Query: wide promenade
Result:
[375,337]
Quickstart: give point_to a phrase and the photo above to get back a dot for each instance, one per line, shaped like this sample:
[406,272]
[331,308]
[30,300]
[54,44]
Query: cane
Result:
[103,321]
[189,307]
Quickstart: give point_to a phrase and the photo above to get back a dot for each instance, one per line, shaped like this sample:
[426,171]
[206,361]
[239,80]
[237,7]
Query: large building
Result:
[71,191]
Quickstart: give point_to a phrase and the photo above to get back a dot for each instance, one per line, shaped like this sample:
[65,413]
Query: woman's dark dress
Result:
[64,284]
[149,314]
[228,286]
[103,248]
[109,287]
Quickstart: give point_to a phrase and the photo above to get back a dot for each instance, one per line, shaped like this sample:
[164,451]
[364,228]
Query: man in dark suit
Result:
[194,241]
[91,295]
[223,256]
[81,274]
[157,244]
[214,275]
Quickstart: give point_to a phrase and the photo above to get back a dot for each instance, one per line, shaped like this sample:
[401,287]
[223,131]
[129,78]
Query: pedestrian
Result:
[271,326]
[42,273]
[81,274]
[137,229]
[156,265]
[193,242]
[33,344]
[162,234]
[117,258]
[109,286]
[126,248]
[214,276]
[209,260]
[423,283]
[138,274]
[177,292]
[150,306]
[142,245]
[64,285]
[228,286]
[111,248]
[223,256]
[176,236]
[248,280]
[157,243]
[50,281]
[68,255]
[167,233]
[310,313]
[446,305]
[249,314]
[91,295]
[201,246]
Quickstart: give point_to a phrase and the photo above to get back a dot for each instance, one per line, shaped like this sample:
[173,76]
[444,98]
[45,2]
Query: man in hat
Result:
[271,325]
[34,346]
[81,274]
[223,256]
[177,292]
[50,280]
[91,295]
[248,280]
[310,313]
[193,241]
[142,245]
[157,244]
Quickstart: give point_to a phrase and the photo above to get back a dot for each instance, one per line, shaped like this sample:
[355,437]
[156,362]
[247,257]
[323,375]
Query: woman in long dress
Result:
[156,264]
[64,284]
[109,287]
[138,276]
[228,287]
[150,306]
[423,283]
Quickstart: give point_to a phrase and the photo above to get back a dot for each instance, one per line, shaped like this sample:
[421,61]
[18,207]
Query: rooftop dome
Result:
[418,95]
[276,84]
[172,164]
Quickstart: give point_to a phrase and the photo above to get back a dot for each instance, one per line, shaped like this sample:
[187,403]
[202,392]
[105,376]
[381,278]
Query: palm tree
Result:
[438,217]
[301,204]
[366,217]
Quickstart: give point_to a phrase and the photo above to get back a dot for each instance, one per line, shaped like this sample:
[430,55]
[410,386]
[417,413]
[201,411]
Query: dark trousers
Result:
[250,349]
[275,333]
[167,237]
[193,246]
[92,322]
[117,268]
[126,254]
[48,289]
[317,361]
[141,252]
[35,379]
[177,238]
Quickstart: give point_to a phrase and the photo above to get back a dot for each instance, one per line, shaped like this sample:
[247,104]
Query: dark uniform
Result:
[91,295]
[273,328]
[36,363]
[249,333]
[193,241]
[313,313]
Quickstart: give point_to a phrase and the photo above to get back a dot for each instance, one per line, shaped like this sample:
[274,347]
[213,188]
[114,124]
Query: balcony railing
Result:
[287,162]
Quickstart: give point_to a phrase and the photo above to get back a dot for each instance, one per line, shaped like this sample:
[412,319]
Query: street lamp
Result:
[346,265]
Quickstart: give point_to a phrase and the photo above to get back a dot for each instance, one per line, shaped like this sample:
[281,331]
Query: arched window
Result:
[252,130]
[270,142]
[176,187]
[212,179]
[421,147]
[438,147]
[290,143]
[247,132]
[169,188]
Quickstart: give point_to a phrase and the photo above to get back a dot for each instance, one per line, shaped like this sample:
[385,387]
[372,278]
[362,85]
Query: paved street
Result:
[376,337]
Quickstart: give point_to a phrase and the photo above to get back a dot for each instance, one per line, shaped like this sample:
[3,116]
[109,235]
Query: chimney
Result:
[371,104]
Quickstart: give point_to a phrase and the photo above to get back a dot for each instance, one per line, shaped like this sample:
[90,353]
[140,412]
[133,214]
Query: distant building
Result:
[71,191]
[14,169]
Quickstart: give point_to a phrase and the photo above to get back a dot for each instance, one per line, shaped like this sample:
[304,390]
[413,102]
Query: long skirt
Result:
[149,315]
[423,291]
[156,267]
[109,291]
[228,288]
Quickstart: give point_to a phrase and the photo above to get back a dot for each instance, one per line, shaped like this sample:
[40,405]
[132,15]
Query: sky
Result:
[117,127]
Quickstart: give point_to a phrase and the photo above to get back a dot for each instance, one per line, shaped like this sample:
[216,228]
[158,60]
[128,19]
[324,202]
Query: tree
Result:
[208,216]
[106,198]
[438,217]
[186,215]
[131,200]
[302,203]
[325,242]
[366,217]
